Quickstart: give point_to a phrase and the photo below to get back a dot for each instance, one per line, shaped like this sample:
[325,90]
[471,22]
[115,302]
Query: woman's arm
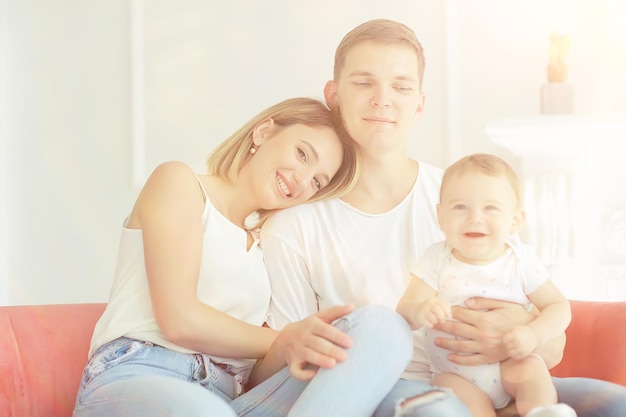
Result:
[169,213]
[481,325]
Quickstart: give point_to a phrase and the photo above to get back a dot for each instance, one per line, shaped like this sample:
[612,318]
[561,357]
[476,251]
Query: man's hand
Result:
[480,327]
[314,343]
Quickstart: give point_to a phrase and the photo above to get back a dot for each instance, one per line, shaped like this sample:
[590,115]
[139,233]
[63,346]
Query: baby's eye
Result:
[491,208]
[302,154]
[459,207]
[318,183]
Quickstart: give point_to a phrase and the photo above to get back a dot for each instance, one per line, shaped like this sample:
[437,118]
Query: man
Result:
[359,249]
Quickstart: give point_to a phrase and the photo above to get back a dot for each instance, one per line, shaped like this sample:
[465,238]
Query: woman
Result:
[182,333]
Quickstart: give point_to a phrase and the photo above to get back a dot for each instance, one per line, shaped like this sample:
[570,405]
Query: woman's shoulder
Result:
[170,187]
[172,176]
[173,170]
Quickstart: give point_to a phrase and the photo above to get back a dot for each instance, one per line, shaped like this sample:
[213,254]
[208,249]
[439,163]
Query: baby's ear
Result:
[519,218]
[439,216]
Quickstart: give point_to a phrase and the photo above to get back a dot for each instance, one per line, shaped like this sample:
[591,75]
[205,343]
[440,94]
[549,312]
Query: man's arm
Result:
[293,297]
[483,323]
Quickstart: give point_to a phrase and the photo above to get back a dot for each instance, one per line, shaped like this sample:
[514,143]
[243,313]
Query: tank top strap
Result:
[207,202]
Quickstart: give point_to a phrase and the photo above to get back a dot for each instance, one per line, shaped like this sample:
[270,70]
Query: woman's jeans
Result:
[127,377]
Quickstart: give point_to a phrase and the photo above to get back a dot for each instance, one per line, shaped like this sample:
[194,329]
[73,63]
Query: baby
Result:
[480,215]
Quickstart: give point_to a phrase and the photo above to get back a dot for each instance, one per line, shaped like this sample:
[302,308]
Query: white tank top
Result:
[232,279]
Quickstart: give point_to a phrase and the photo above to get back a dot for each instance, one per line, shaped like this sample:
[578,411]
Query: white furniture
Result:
[574,172]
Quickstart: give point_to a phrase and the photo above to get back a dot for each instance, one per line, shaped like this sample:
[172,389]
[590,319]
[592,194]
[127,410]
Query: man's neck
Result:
[382,184]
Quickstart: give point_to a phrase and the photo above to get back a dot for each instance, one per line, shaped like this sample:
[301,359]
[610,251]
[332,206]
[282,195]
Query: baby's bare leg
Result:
[475,399]
[529,382]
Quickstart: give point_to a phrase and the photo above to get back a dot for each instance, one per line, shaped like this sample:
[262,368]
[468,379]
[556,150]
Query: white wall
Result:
[210,65]
[3,156]
[68,158]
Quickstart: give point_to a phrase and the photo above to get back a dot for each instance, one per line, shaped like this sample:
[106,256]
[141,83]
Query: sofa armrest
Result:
[596,342]
[43,350]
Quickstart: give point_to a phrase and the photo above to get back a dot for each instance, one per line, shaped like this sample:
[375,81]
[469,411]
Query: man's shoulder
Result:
[430,172]
[302,214]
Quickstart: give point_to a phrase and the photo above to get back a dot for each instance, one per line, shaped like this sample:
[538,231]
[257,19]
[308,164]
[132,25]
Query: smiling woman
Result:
[298,146]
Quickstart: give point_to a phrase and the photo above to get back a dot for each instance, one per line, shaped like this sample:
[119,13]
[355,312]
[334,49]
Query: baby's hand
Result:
[520,342]
[433,311]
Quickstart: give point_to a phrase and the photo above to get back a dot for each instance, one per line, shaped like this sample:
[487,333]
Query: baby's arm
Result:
[421,307]
[555,315]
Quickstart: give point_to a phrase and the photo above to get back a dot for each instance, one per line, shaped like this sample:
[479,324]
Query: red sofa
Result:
[43,350]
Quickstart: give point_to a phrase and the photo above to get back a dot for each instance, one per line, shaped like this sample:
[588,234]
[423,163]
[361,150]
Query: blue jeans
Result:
[132,378]
[425,401]
[589,397]
[592,397]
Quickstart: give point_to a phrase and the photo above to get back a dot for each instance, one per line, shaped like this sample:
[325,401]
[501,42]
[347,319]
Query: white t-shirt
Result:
[328,253]
[232,279]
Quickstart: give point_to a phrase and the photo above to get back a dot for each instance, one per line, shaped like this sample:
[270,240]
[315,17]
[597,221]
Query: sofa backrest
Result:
[43,350]
[596,342]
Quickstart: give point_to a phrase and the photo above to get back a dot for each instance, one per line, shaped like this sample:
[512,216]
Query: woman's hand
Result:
[480,327]
[314,342]
[305,346]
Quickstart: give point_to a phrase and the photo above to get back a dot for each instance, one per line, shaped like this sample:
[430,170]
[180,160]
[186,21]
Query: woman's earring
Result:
[253,150]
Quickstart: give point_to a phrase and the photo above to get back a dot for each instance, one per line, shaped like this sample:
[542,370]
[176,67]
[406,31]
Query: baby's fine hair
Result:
[382,31]
[487,164]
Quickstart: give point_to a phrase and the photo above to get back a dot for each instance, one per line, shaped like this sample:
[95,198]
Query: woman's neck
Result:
[229,199]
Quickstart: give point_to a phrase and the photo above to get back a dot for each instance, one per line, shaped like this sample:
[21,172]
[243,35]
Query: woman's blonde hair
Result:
[231,155]
[383,31]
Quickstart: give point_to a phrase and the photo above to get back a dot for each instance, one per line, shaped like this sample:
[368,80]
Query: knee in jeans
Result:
[411,406]
[386,320]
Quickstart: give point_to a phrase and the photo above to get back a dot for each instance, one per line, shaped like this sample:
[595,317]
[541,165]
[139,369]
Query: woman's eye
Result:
[302,154]
[318,183]
[491,208]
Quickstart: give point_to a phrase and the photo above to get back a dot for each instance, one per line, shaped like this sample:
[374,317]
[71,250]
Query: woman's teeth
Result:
[284,187]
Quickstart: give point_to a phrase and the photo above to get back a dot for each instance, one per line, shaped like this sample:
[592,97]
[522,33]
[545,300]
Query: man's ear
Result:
[518,221]
[261,131]
[420,107]
[330,94]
